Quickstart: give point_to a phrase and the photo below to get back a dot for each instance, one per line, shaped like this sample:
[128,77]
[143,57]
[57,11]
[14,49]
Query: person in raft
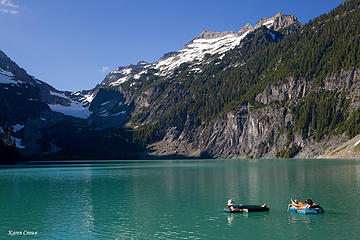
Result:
[310,204]
[230,205]
[234,209]
[299,205]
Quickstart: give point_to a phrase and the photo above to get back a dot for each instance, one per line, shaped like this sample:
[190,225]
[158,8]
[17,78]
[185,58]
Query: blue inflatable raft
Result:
[312,210]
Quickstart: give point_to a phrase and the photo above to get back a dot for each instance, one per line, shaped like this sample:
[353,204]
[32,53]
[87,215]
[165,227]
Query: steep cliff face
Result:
[264,132]
[242,133]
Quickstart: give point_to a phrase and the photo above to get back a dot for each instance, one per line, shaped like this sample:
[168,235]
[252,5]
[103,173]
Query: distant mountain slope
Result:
[15,79]
[47,123]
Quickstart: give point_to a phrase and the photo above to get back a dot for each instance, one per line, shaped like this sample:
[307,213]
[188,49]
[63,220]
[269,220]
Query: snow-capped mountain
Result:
[72,104]
[126,80]
[208,43]
[122,74]
[28,104]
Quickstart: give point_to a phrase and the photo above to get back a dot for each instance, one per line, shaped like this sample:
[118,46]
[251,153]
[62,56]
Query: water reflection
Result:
[296,217]
[230,219]
[179,200]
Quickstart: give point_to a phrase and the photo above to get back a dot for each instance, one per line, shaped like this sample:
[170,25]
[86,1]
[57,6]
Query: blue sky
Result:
[73,44]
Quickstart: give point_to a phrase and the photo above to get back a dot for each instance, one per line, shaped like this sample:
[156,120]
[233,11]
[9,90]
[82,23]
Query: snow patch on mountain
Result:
[7,78]
[126,71]
[83,98]
[6,73]
[197,49]
[75,109]
[268,23]
[62,95]
[138,75]
[120,81]
[123,74]
[88,97]
[79,104]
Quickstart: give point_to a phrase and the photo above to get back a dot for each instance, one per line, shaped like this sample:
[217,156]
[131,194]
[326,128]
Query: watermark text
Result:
[22,233]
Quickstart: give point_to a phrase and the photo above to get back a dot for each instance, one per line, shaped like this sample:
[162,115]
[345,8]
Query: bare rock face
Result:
[212,34]
[278,22]
[283,21]
[242,133]
[293,89]
[245,29]
[348,82]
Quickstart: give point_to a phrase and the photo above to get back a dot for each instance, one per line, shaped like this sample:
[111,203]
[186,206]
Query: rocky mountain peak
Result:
[278,21]
[212,34]
[279,14]
[246,28]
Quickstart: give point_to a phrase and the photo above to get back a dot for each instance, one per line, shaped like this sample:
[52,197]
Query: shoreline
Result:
[41,163]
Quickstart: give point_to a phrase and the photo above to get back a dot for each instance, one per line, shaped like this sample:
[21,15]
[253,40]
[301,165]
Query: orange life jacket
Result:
[299,205]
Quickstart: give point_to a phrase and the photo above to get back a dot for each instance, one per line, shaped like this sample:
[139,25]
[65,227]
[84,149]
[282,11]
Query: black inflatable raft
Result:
[248,208]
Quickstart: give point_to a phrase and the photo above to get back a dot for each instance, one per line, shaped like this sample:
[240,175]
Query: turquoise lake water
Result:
[179,200]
